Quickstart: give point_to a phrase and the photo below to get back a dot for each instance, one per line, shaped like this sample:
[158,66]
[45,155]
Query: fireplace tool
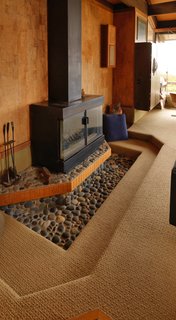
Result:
[5,176]
[13,170]
[10,174]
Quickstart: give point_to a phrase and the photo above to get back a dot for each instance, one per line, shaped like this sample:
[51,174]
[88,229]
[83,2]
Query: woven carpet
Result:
[122,263]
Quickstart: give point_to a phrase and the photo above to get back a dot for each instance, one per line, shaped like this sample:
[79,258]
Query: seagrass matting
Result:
[92,315]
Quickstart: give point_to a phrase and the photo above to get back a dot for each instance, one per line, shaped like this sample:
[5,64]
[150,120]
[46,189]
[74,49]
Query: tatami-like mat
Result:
[123,263]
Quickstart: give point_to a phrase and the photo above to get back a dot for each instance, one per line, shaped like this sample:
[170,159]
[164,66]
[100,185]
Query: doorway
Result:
[167,66]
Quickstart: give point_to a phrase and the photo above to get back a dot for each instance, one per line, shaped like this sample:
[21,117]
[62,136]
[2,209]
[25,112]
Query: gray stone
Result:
[68,223]
[45,210]
[10,212]
[83,204]
[91,212]
[98,205]
[36,228]
[51,216]
[71,207]
[69,216]
[93,189]
[74,202]
[86,190]
[73,237]
[62,208]
[53,209]
[81,199]
[83,215]
[92,206]
[44,233]
[67,244]
[66,212]
[74,230]
[68,200]
[60,200]
[65,235]
[53,223]
[34,222]
[26,220]
[76,218]
[84,210]
[60,228]
[56,239]
[47,200]
[28,204]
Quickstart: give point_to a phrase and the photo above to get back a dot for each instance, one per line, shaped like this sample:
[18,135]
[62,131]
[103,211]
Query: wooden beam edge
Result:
[165,30]
[162,8]
[52,189]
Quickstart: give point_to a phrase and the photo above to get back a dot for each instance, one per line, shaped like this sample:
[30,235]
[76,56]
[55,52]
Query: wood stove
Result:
[66,129]
[63,136]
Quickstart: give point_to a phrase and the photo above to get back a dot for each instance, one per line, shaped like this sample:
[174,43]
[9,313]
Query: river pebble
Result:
[61,218]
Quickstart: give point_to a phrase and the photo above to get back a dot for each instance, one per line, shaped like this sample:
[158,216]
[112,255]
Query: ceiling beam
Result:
[166,24]
[162,8]
[165,30]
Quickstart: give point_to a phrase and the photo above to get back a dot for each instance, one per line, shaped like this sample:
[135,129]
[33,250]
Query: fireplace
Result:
[67,128]
[62,137]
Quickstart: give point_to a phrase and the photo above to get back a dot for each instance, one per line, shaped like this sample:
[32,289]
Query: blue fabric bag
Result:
[114,127]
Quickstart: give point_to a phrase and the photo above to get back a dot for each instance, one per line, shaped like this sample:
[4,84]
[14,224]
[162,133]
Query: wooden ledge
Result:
[52,189]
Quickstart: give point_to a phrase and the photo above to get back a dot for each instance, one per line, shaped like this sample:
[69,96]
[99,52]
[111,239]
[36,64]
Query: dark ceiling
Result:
[161,12]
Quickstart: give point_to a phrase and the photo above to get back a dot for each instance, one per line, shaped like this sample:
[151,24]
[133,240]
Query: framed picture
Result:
[141,33]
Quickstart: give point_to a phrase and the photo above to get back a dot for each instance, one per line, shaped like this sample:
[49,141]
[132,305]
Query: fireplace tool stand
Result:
[10,175]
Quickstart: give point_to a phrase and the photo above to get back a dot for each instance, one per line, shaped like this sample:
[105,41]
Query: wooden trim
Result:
[162,8]
[141,14]
[153,22]
[94,166]
[17,148]
[52,189]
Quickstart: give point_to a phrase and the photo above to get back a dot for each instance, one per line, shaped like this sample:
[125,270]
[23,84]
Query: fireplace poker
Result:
[5,150]
[12,151]
[6,177]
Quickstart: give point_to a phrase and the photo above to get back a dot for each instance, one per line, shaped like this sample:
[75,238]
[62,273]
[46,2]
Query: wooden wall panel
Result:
[123,86]
[23,62]
[23,59]
[95,80]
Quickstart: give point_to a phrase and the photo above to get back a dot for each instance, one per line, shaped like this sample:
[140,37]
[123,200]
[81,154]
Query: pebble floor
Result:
[61,218]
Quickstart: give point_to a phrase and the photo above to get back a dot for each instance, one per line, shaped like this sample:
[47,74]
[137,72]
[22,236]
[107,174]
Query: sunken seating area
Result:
[123,262]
